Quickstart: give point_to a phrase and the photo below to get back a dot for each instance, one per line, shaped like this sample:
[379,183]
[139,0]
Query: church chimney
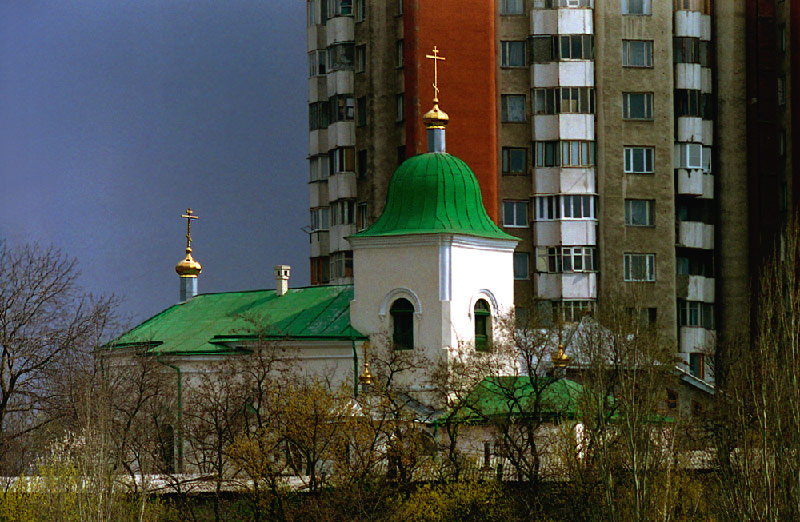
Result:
[188,269]
[282,279]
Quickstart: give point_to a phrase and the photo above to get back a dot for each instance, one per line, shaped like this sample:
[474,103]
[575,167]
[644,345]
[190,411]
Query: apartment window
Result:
[361,162]
[343,212]
[687,103]
[577,100]
[398,53]
[562,47]
[515,214]
[318,63]
[566,259]
[318,115]
[312,64]
[361,111]
[672,400]
[512,54]
[513,108]
[401,154]
[637,105]
[341,264]
[706,160]
[361,58]
[639,160]
[319,167]
[341,56]
[636,7]
[552,4]
[546,101]
[577,153]
[707,106]
[521,260]
[782,38]
[399,7]
[688,5]
[311,11]
[340,8]
[782,142]
[512,7]
[568,153]
[637,53]
[342,107]
[685,49]
[402,312]
[514,160]
[361,220]
[547,154]
[705,53]
[696,365]
[400,106]
[695,314]
[567,205]
[639,267]
[483,325]
[343,160]
[361,10]
[572,311]
[319,218]
[688,156]
[640,212]
[782,90]
[320,270]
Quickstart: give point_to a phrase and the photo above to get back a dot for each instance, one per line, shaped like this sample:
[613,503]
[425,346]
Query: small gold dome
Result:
[188,267]
[435,118]
[560,359]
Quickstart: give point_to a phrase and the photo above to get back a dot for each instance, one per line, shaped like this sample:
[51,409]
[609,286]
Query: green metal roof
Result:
[434,193]
[209,323]
[513,396]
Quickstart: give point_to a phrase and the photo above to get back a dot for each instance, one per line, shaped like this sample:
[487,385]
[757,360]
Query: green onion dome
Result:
[434,193]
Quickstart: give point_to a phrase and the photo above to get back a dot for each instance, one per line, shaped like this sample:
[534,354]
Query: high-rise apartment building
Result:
[622,141]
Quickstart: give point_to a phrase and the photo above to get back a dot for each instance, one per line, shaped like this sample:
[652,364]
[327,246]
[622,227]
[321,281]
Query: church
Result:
[431,275]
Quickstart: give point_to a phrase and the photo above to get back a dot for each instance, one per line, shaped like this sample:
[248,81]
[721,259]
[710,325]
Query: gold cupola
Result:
[436,119]
[188,267]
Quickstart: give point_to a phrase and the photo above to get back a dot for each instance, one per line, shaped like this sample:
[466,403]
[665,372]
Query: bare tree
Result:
[48,326]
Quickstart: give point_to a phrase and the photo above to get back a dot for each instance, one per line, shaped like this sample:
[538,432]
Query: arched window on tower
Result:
[483,325]
[402,312]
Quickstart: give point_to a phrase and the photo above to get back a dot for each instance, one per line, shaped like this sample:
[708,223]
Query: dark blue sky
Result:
[115,115]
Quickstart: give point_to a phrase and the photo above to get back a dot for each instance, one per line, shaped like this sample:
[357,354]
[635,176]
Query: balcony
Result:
[689,182]
[578,73]
[695,339]
[565,232]
[688,76]
[320,243]
[693,234]
[342,185]
[566,20]
[573,285]
[339,29]
[695,288]
[689,129]
[563,127]
[567,180]
[688,23]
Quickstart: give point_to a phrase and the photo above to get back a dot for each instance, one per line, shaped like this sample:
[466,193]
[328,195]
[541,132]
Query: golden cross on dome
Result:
[189,216]
[435,57]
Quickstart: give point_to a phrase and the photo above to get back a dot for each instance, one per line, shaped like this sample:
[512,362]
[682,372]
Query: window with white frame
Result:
[552,4]
[513,108]
[688,156]
[340,8]
[341,264]
[547,154]
[639,267]
[521,261]
[515,214]
[575,153]
[572,311]
[555,100]
[640,212]
[341,56]
[512,7]
[568,206]
[637,105]
[636,7]
[319,167]
[560,259]
[343,159]
[639,160]
[320,218]
[512,54]
[343,212]
[637,53]
[696,314]
[342,108]
[707,160]
[515,160]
